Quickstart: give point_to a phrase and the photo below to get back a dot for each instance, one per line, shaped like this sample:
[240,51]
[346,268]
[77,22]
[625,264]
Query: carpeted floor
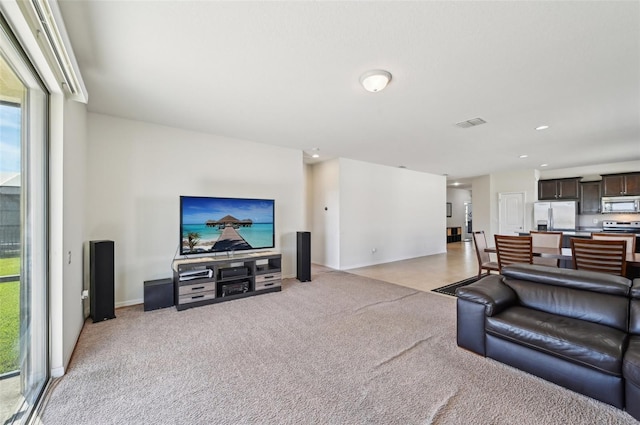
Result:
[342,349]
[450,289]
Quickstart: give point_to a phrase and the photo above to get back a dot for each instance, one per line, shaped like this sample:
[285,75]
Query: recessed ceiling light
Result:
[542,127]
[315,155]
[524,156]
[544,165]
[456,184]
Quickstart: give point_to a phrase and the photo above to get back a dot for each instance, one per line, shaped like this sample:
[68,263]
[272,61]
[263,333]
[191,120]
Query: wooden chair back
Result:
[513,249]
[480,242]
[599,255]
[629,238]
[546,240]
[484,260]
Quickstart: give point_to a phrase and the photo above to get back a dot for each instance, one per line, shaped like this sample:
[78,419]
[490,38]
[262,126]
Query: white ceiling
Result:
[286,73]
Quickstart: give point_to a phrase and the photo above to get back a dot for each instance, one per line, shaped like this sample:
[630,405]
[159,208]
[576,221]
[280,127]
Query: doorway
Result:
[511,213]
[468,221]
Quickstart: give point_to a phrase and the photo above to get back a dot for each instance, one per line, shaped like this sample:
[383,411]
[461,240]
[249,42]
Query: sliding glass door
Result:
[24,326]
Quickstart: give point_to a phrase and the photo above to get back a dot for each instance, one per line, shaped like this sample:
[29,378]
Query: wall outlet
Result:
[595,221]
[373,250]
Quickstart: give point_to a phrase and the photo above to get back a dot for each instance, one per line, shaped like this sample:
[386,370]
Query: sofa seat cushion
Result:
[590,344]
[631,363]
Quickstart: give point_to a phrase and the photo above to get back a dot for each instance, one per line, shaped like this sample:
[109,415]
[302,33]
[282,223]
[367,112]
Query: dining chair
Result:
[484,260]
[546,240]
[599,255]
[513,249]
[630,238]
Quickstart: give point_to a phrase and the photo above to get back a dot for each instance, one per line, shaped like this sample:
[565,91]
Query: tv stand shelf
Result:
[208,280]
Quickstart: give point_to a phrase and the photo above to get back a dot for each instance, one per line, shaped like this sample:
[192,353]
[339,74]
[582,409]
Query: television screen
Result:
[225,224]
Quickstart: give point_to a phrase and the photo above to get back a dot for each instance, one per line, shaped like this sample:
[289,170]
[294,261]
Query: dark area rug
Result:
[450,289]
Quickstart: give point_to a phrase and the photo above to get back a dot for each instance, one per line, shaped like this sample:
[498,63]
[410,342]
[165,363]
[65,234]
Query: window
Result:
[24,368]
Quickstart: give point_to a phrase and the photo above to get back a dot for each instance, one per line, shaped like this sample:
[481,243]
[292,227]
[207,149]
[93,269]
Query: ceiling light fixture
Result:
[315,153]
[524,156]
[544,165]
[542,127]
[375,80]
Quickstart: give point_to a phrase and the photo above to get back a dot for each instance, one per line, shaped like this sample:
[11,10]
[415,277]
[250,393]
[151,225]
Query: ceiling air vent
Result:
[470,123]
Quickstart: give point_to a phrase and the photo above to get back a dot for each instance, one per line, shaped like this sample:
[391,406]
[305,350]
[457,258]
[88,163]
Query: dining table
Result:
[633,258]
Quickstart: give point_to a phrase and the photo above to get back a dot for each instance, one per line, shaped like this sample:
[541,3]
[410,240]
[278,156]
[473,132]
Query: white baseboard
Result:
[129,302]
[57,372]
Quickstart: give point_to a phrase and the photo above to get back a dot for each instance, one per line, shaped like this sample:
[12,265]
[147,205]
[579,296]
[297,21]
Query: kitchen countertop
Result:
[579,233]
[582,233]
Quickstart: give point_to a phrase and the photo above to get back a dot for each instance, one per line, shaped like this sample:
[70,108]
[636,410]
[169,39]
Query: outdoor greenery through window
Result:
[10,118]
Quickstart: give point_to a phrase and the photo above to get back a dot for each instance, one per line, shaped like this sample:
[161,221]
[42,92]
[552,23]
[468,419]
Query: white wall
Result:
[481,199]
[525,181]
[485,191]
[325,213]
[74,172]
[593,172]
[137,171]
[358,207]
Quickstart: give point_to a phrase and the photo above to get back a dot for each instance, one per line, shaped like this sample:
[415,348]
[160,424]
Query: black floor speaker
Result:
[304,256]
[101,280]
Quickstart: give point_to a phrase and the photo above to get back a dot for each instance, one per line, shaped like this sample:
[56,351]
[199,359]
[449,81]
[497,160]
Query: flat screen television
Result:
[225,224]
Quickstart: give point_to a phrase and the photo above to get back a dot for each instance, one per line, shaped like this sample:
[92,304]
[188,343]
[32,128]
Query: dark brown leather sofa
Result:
[578,329]
[631,361]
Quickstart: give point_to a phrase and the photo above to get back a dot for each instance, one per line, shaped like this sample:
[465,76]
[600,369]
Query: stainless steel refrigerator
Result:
[555,215]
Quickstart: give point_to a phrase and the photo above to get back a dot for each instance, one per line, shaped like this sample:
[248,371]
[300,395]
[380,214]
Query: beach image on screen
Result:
[225,224]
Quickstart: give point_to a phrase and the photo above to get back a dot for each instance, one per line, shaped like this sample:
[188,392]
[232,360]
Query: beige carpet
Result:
[342,349]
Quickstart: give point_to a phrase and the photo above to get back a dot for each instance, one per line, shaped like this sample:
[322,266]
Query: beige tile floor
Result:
[430,272]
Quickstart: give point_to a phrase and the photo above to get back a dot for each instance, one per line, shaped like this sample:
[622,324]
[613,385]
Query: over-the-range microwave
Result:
[621,204]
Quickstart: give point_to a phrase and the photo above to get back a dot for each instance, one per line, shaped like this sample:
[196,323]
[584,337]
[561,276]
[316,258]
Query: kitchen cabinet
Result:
[621,184]
[590,197]
[558,189]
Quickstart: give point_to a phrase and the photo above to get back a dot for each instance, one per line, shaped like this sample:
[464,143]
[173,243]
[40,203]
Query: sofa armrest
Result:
[491,292]
[475,302]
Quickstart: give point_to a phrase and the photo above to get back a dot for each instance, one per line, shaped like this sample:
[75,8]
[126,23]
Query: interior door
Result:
[511,213]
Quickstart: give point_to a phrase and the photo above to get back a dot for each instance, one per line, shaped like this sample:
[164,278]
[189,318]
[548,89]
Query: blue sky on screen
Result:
[198,210]
[9,138]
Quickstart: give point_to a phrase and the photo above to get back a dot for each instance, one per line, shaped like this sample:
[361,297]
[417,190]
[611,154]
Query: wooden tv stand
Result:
[208,280]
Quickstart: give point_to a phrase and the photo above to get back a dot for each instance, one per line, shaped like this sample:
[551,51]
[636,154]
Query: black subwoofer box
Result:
[303,244]
[158,294]
[101,280]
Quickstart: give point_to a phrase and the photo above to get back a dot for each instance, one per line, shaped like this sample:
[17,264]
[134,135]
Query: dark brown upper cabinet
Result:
[559,189]
[590,198]
[621,184]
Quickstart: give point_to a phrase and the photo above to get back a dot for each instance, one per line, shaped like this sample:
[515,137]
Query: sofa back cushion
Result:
[595,297]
